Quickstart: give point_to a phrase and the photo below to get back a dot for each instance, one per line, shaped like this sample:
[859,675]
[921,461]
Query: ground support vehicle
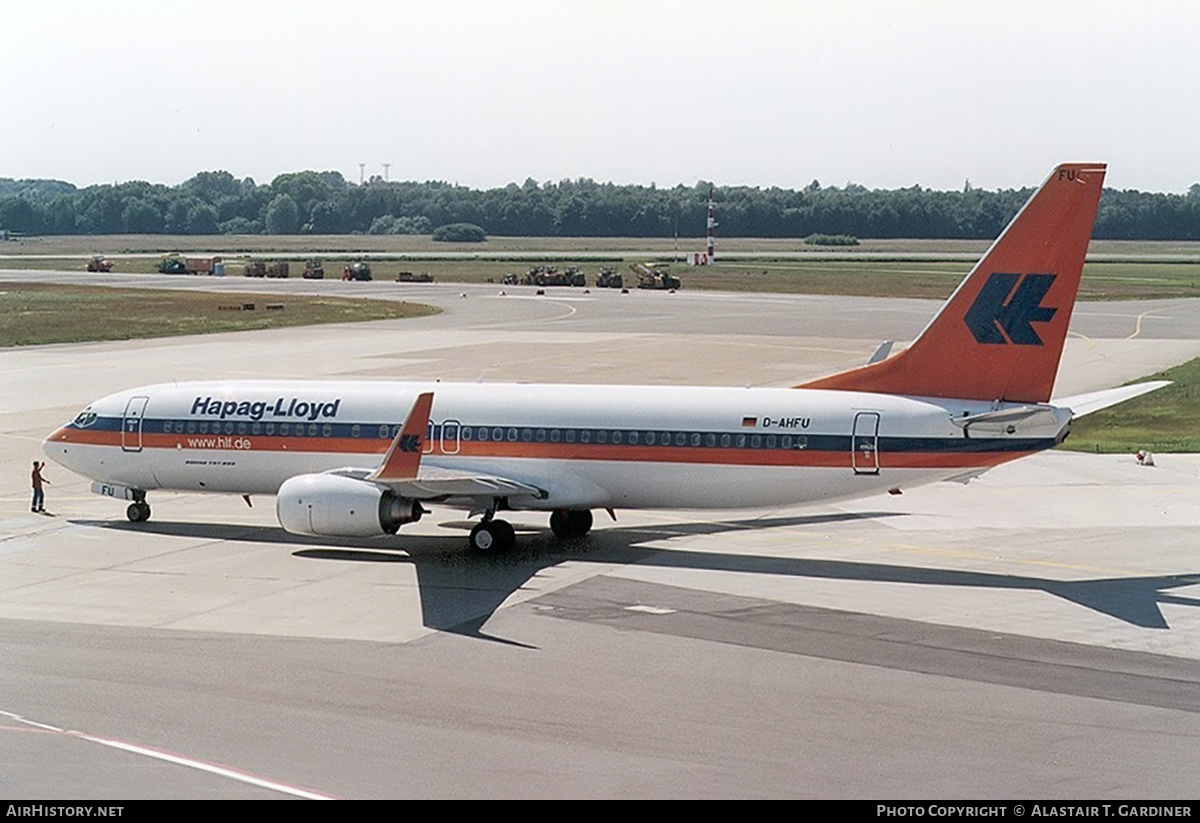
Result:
[609,278]
[172,264]
[175,264]
[655,276]
[551,276]
[258,268]
[359,271]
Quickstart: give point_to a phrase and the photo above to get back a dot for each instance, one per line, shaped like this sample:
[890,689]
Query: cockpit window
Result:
[86,418]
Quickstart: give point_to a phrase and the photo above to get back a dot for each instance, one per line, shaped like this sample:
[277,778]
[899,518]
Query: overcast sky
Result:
[884,94]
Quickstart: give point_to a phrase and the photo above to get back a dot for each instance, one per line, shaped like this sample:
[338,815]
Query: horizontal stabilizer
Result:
[1082,404]
[1027,416]
[881,353]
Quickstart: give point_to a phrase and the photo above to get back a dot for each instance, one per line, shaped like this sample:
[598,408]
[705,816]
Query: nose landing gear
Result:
[138,512]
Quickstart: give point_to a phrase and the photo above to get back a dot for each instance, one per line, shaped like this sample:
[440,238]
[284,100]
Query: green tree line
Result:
[216,202]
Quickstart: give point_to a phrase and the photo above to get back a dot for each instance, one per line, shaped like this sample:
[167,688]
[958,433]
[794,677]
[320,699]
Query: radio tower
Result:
[712,231]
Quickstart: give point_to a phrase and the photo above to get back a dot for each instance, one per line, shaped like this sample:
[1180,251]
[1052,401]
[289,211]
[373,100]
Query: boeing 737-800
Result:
[353,459]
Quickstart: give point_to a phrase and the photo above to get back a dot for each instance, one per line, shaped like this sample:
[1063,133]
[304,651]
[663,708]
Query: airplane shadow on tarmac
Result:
[461,590]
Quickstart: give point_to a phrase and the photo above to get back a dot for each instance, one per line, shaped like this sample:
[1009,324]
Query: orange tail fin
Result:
[1000,335]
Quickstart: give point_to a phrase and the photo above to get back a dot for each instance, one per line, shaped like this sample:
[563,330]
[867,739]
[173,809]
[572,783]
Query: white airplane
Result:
[970,393]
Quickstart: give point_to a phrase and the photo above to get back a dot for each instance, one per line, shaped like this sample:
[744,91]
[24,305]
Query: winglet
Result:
[1000,335]
[404,455]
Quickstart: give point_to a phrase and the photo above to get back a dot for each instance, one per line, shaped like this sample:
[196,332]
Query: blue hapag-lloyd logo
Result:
[1005,310]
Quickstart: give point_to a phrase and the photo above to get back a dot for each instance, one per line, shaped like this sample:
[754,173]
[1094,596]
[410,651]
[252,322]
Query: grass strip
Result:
[1167,420]
[36,314]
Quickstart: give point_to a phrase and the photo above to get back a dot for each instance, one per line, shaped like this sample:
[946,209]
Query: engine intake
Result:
[330,505]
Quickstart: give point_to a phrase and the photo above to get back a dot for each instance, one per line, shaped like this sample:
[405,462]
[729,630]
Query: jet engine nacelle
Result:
[331,505]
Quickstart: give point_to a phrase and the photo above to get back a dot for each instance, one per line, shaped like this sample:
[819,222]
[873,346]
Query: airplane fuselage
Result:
[604,446]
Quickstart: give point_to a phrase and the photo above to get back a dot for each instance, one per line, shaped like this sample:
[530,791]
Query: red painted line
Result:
[699,455]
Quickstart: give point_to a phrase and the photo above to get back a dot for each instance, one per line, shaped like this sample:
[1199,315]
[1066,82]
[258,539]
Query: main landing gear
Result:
[493,536]
[567,524]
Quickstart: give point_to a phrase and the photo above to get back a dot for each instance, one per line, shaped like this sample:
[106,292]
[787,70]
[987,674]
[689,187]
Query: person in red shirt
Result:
[39,496]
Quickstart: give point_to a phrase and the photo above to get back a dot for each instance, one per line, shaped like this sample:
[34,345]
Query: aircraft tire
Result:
[493,537]
[567,523]
[138,512]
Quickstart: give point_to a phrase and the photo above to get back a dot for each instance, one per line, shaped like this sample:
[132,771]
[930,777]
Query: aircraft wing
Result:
[1082,404]
[432,482]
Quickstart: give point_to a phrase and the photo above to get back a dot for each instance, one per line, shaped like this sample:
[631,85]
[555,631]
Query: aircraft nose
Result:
[55,445]
[61,434]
